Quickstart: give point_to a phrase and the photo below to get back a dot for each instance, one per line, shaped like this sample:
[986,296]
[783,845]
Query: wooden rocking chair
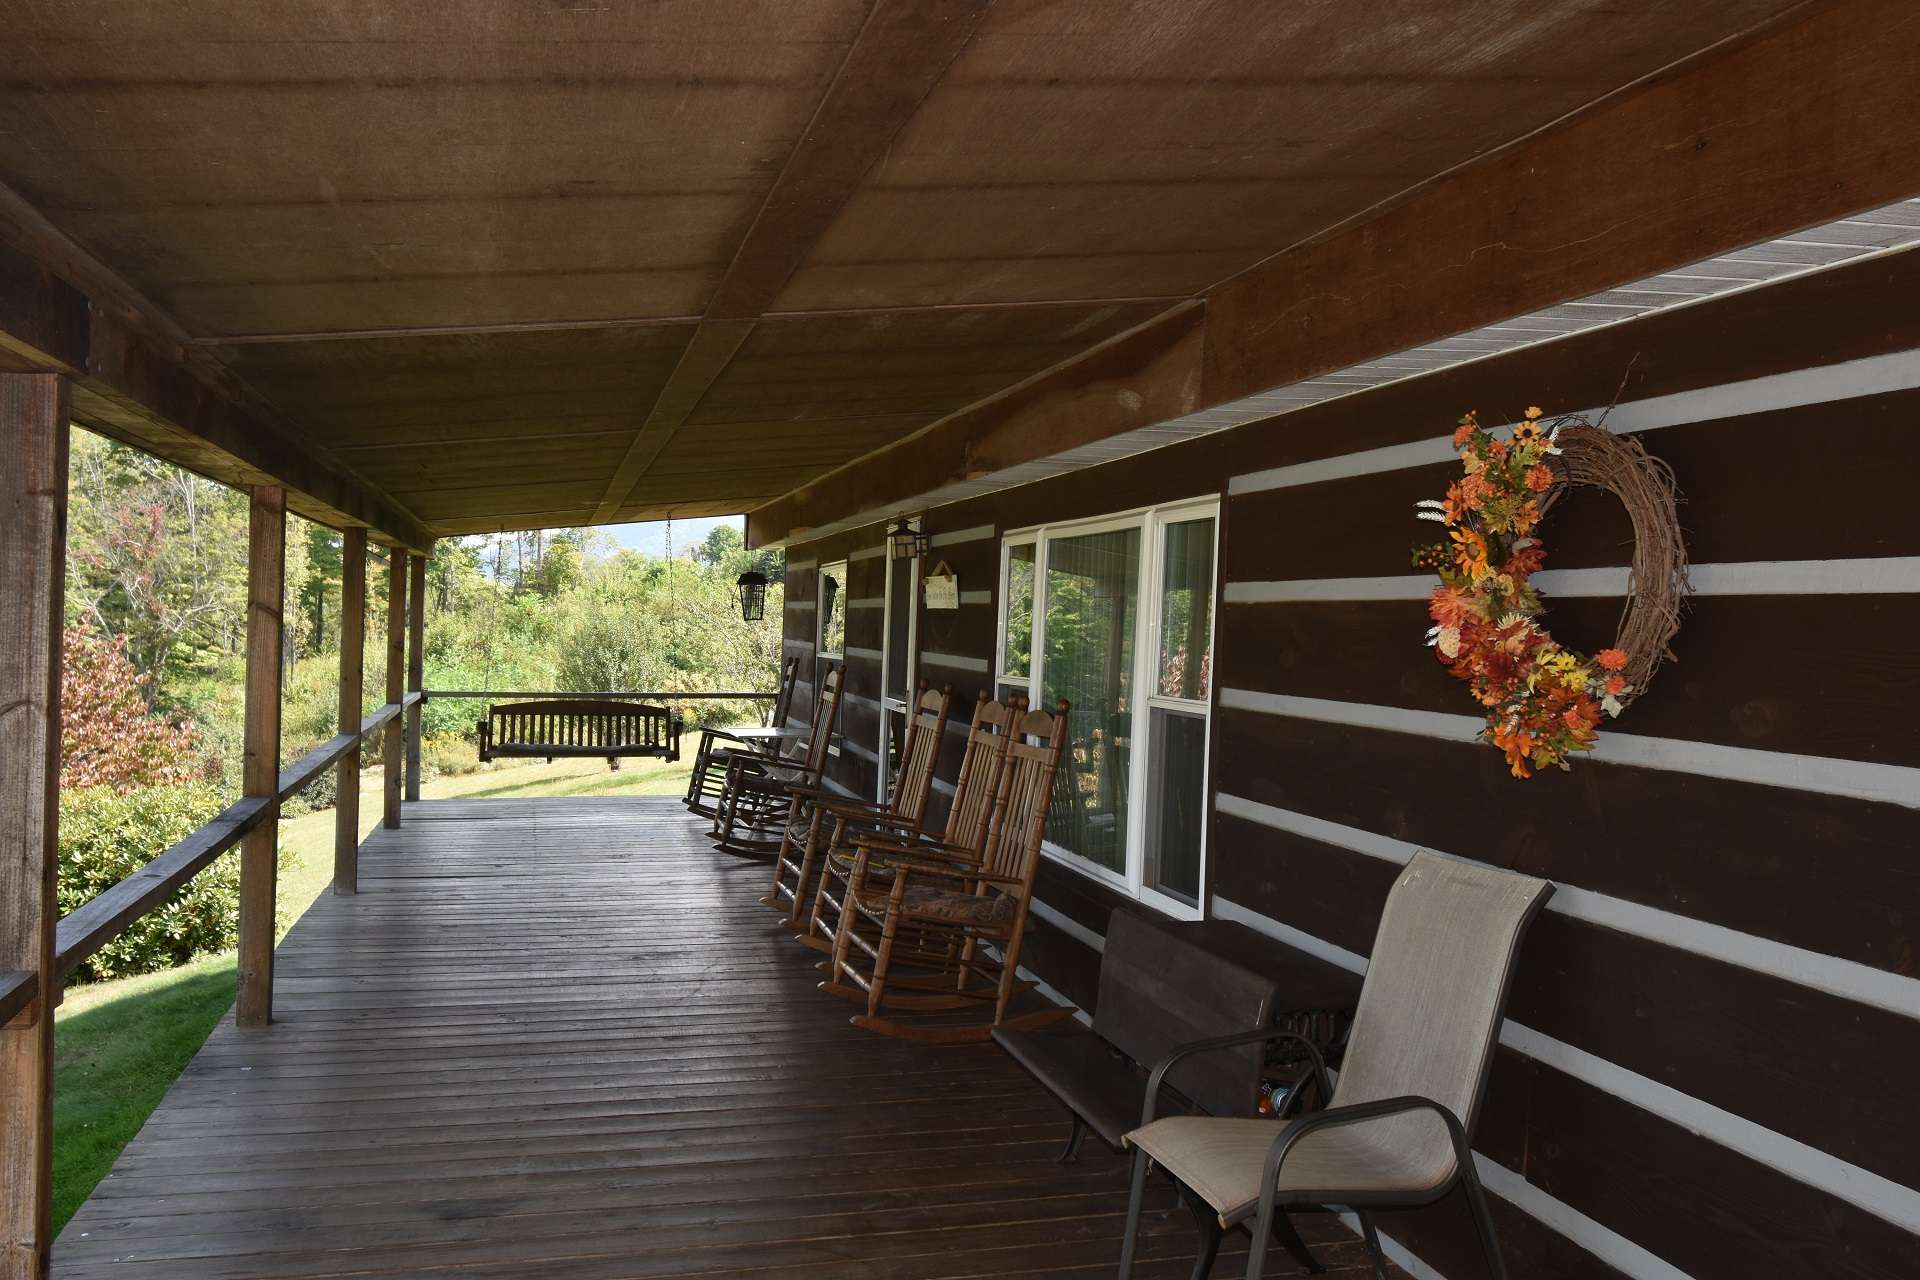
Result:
[754,802]
[818,819]
[938,914]
[965,833]
[717,746]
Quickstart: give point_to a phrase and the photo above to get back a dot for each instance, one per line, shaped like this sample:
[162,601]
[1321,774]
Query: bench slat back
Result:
[1159,990]
[580,722]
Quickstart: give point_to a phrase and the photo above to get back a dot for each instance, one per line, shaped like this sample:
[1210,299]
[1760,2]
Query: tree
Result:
[157,555]
[722,544]
[107,736]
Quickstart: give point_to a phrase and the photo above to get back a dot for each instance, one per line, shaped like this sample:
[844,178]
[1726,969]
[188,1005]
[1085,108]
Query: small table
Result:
[767,733]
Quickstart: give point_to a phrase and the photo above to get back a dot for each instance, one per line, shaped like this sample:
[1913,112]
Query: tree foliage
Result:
[108,737]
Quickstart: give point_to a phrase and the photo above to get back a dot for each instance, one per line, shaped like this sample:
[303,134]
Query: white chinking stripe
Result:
[1068,925]
[805,646]
[1601,1241]
[976,597]
[800,566]
[866,553]
[1885,575]
[856,651]
[1844,978]
[1398,1254]
[865,753]
[1857,779]
[1869,1191]
[867,602]
[1873,375]
[952,536]
[954,661]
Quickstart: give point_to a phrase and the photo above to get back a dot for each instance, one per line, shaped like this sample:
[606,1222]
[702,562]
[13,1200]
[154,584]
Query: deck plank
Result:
[559,1039]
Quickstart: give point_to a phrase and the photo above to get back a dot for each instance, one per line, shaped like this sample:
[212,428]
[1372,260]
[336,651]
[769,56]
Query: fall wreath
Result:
[1544,701]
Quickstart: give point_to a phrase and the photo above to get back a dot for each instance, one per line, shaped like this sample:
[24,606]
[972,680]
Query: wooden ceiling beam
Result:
[903,49]
[134,379]
[1810,123]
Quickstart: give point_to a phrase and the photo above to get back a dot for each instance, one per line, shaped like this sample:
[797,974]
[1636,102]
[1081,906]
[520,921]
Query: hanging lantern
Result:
[751,590]
[908,541]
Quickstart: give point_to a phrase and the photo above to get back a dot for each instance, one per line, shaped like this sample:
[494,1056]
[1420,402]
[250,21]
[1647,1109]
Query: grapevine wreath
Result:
[1544,701]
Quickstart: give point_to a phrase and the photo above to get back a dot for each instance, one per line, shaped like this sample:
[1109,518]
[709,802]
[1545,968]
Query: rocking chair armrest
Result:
[952,871]
[889,848]
[1259,1035]
[850,807]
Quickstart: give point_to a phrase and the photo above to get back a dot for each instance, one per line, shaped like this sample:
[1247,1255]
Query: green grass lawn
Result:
[118,1045]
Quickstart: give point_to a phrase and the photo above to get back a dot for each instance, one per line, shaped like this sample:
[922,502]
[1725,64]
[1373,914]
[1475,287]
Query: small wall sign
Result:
[942,587]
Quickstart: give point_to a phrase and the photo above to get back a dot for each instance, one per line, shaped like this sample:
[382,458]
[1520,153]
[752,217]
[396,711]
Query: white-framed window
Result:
[831,646]
[832,611]
[1116,615]
[900,615]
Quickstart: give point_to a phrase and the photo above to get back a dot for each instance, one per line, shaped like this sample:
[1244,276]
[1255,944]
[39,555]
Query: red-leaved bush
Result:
[108,736]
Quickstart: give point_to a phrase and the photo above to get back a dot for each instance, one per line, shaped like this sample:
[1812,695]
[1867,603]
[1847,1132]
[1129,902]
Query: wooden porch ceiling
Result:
[487,267]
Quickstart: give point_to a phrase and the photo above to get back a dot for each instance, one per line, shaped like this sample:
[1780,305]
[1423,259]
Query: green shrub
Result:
[449,755]
[315,796]
[106,837]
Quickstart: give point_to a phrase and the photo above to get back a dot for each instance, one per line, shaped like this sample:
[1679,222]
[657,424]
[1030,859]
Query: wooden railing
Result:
[658,696]
[111,912]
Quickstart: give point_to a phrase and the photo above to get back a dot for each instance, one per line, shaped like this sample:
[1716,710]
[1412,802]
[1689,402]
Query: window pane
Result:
[1176,776]
[899,613]
[833,608]
[1186,610]
[1019,588]
[1092,595]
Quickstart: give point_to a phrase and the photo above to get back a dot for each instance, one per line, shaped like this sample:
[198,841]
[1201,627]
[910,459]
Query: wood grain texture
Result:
[1797,867]
[353,671]
[596,1062]
[33,541]
[88,927]
[1711,1030]
[260,774]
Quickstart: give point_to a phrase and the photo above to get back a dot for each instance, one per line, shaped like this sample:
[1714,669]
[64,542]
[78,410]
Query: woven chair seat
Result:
[1222,1159]
[987,911]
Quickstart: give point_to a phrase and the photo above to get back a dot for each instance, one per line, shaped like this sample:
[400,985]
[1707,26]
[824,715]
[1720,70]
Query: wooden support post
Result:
[33,541]
[260,772]
[353,650]
[396,683]
[416,665]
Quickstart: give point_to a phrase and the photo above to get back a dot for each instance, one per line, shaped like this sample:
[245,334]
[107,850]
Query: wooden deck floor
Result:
[559,1038]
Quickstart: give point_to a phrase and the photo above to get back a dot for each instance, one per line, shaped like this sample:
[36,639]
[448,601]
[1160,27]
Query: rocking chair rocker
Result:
[818,820]
[938,914]
[966,830]
[718,746]
[754,802]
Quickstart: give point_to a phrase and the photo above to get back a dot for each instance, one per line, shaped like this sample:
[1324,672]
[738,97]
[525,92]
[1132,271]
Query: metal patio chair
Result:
[1396,1131]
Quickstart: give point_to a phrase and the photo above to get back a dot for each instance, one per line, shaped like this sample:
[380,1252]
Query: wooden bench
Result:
[579,727]
[1165,985]
[1158,991]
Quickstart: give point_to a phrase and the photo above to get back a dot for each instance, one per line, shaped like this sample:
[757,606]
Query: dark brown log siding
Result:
[1828,675]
